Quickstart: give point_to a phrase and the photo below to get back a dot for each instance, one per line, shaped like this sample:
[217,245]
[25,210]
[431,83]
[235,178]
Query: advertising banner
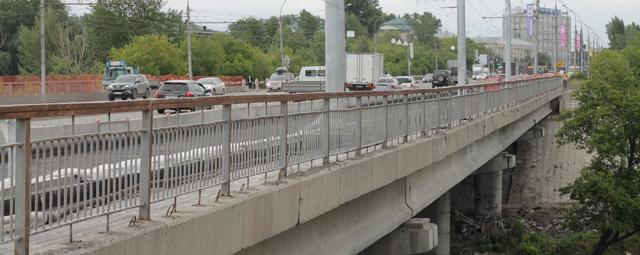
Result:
[530,9]
[563,36]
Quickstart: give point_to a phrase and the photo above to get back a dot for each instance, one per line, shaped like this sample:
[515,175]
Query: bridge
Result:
[319,173]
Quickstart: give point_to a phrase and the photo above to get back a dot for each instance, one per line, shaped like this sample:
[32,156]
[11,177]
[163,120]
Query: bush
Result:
[579,76]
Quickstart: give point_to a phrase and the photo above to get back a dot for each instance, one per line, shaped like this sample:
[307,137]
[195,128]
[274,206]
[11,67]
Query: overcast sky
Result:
[596,13]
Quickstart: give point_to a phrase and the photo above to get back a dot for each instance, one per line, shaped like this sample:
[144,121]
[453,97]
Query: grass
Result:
[575,83]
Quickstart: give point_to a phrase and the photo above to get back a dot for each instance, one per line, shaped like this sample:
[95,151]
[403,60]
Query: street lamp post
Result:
[409,51]
[281,35]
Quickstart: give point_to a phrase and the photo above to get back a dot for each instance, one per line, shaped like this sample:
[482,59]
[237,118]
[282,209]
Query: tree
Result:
[369,13]
[606,124]
[309,23]
[13,15]
[353,24]
[208,56]
[615,32]
[425,26]
[153,54]
[67,48]
[112,23]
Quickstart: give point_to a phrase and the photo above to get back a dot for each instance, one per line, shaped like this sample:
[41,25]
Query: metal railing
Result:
[60,181]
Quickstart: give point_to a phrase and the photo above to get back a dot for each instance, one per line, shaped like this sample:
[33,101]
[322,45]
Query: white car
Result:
[274,83]
[214,85]
[406,82]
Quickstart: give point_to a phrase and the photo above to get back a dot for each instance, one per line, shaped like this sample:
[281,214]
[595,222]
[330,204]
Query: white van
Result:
[312,73]
[311,79]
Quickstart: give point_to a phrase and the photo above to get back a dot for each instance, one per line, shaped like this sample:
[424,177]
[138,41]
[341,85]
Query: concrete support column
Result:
[488,185]
[416,236]
[443,220]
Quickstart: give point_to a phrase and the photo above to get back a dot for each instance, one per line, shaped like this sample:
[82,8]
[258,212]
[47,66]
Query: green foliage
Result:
[67,48]
[208,55]
[153,54]
[425,27]
[518,239]
[13,15]
[262,33]
[368,12]
[606,123]
[579,76]
[615,32]
[113,23]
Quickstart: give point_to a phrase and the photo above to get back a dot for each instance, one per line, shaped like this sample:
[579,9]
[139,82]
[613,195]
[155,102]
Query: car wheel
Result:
[160,111]
[441,78]
[146,94]
[111,98]
[134,95]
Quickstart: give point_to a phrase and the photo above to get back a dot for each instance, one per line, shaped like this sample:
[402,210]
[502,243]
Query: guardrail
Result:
[57,182]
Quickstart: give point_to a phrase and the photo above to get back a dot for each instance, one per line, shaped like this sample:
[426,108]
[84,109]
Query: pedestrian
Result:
[565,80]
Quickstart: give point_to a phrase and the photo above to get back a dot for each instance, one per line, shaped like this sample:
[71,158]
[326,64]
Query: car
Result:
[274,83]
[181,89]
[428,78]
[406,82]
[386,84]
[441,78]
[213,84]
[481,76]
[129,86]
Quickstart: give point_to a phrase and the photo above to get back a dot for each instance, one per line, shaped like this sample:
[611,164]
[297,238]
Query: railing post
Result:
[146,147]
[23,186]
[424,114]
[385,103]
[284,144]
[407,118]
[226,149]
[326,136]
[359,126]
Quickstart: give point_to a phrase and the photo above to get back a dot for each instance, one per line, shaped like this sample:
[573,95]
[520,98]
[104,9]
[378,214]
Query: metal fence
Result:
[56,182]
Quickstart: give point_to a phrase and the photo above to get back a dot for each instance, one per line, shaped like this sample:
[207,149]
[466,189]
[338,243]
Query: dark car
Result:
[441,78]
[129,86]
[181,89]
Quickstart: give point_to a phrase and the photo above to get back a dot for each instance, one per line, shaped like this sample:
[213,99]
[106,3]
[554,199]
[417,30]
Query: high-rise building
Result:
[552,22]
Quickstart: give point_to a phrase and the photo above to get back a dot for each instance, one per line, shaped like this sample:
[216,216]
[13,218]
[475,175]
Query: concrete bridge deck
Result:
[360,198]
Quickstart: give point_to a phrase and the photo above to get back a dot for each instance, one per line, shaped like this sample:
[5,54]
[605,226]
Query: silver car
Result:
[213,84]
[129,86]
[386,84]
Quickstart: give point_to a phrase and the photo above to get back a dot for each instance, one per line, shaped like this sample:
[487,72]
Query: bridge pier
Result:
[441,216]
[416,236]
[488,185]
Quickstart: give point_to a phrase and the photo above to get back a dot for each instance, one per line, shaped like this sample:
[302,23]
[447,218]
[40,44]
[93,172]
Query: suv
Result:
[129,86]
[181,88]
[213,84]
[441,78]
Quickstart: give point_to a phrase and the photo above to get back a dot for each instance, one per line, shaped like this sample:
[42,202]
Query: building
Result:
[551,22]
[398,24]
[521,51]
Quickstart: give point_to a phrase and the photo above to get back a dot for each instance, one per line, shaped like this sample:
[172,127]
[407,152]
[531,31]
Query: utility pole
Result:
[43,66]
[189,41]
[281,34]
[462,44]
[537,24]
[507,40]
[409,49]
[334,41]
[436,50]
[555,39]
